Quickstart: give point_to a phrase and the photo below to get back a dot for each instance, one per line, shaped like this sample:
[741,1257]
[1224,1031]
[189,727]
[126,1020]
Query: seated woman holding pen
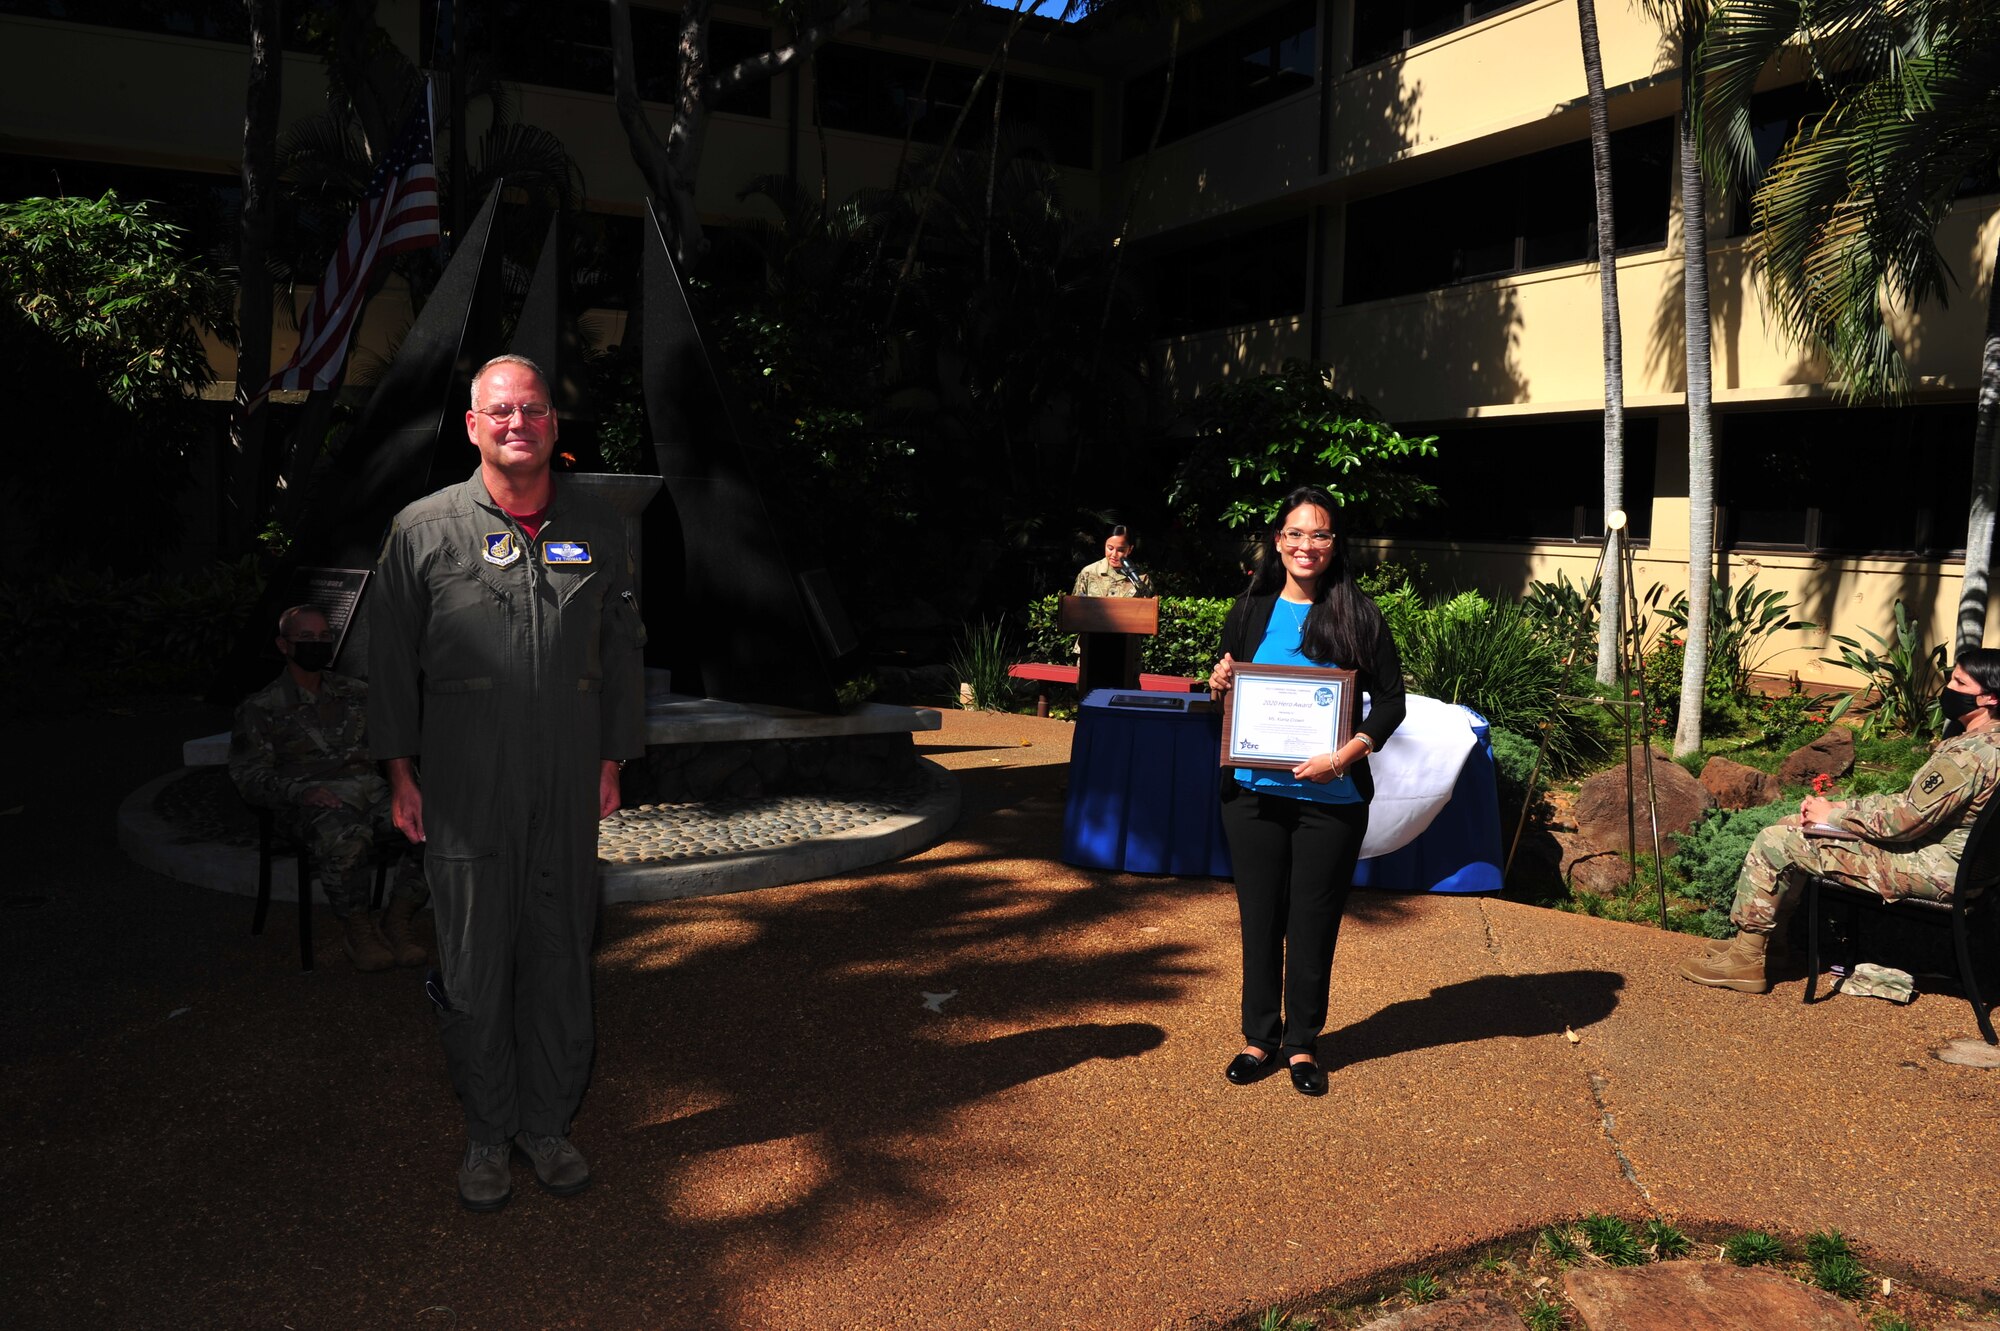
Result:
[1294,836]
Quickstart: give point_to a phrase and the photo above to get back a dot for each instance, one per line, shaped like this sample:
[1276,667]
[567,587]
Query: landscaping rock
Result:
[1736,786]
[1600,805]
[1698,1296]
[1832,754]
[1482,1311]
[1599,872]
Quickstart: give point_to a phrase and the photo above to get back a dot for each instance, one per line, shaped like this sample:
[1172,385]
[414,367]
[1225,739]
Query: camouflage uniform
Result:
[1911,842]
[287,742]
[1100,579]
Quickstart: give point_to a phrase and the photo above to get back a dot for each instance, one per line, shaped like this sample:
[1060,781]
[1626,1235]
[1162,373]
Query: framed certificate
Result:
[1279,716]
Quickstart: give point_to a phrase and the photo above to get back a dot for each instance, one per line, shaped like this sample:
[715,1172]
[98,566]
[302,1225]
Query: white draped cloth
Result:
[1415,772]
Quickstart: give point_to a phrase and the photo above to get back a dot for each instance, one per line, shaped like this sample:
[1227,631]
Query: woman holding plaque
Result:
[1295,834]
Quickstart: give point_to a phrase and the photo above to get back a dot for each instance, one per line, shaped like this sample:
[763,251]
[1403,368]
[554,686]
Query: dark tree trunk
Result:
[254,468]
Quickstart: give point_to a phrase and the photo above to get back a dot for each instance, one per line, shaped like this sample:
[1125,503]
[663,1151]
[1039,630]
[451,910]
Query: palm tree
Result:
[1850,209]
[1687,20]
[1611,586]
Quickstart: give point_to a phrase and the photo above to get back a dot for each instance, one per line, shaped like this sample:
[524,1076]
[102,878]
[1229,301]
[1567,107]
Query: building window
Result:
[1266,59]
[1851,481]
[1240,279]
[1530,484]
[208,20]
[204,205]
[869,91]
[1530,212]
[568,45]
[1775,117]
[1384,27]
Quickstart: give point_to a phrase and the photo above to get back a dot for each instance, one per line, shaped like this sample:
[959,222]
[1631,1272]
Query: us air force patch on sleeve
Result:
[501,548]
[566,552]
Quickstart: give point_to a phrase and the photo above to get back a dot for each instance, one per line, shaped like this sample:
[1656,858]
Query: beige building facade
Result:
[1389,188]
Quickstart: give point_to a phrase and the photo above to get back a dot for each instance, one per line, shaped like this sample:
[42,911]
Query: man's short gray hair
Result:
[508,358]
[290,619]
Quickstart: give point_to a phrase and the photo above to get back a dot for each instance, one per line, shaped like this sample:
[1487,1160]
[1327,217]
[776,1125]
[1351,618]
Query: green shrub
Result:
[1422,1289]
[1905,674]
[1841,1276]
[1827,1243]
[1542,1315]
[1612,1241]
[1723,706]
[1561,1245]
[1567,616]
[1666,1241]
[156,632]
[1753,1248]
[1711,856]
[1188,643]
[1741,625]
[1796,718]
[1513,762]
[1492,659]
[981,660]
[1402,609]
[1389,576]
[1190,638]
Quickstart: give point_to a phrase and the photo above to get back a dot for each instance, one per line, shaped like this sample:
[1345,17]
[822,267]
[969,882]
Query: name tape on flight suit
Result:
[566,552]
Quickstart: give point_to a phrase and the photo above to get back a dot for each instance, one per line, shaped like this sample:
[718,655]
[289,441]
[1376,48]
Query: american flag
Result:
[398,212]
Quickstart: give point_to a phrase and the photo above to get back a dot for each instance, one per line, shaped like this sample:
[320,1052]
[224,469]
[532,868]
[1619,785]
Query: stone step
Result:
[1701,1296]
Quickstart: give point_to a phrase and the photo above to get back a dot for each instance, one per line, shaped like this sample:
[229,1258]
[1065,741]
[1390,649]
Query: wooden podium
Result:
[1108,630]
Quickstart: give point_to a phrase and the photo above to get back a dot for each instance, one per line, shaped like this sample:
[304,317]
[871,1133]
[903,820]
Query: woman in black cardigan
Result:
[1294,837]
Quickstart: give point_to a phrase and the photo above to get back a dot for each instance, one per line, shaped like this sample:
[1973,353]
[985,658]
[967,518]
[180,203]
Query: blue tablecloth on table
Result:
[1142,790]
[1460,850]
[1143,799]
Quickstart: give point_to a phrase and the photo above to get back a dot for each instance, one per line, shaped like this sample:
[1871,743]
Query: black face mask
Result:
[312,657]
[1956,705]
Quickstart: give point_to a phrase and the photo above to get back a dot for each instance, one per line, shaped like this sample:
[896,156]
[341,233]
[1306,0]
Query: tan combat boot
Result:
[1740,966]
[366,947]
[1777,953]
[399,929]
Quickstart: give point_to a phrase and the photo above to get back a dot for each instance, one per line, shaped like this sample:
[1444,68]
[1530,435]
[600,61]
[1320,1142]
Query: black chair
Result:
[1979,865]
[272,842]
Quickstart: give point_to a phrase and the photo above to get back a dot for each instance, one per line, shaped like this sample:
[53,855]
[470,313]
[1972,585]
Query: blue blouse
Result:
[1281,647]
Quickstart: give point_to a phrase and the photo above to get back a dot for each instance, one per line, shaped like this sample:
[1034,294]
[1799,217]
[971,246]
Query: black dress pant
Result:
[1294,862]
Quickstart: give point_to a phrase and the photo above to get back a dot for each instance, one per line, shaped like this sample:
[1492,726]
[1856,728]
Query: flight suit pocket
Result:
[626,621]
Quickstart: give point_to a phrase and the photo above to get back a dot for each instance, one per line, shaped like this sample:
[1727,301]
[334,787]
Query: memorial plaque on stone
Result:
[334,592]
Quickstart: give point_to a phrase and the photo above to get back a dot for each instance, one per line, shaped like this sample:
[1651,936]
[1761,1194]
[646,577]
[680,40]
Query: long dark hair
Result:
[1343,627]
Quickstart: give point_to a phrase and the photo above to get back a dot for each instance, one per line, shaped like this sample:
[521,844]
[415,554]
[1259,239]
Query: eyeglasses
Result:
[504,411]
[1292,536]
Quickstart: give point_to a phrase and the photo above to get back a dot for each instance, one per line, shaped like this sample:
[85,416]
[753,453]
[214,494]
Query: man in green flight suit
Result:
[505,688]
[1895,845]
[300,749]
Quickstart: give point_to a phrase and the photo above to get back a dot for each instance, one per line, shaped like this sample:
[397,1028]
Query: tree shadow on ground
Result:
[773,1065]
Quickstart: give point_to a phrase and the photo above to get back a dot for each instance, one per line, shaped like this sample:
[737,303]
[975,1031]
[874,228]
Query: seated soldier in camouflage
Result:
[1896,845]
[299,748]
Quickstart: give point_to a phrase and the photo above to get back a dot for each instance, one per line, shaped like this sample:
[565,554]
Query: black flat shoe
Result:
[1308,1078]
[1243,1069]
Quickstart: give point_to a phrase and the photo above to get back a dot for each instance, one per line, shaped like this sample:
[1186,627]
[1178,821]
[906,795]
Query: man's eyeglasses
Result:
[504,411]
[1292,536]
